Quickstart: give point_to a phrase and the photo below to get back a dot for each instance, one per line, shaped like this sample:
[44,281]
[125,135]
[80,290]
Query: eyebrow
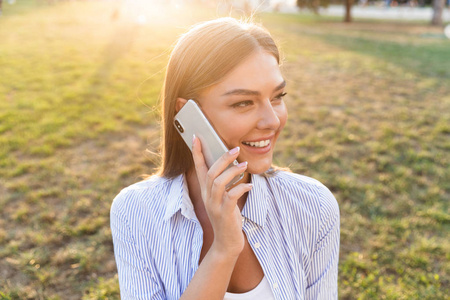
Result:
[250,92]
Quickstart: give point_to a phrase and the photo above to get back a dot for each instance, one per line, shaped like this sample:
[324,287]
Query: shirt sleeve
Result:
[136,275]
[322,278]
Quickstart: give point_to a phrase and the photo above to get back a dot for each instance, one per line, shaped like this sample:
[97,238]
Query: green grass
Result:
[369,115]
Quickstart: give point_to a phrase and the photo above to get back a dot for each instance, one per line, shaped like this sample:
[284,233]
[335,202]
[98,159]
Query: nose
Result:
[268,117]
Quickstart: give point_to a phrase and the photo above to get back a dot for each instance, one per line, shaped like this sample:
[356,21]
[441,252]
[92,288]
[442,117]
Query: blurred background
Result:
[369,108]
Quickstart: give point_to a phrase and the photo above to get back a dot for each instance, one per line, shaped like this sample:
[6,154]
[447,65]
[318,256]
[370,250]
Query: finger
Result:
[199,161]
[220,183]
[221,164]
[234,194]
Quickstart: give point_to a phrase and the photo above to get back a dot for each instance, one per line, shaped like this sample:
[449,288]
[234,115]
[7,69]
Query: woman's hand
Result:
[220,203]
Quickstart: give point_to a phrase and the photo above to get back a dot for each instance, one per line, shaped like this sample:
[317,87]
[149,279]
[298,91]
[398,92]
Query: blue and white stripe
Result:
[291,223]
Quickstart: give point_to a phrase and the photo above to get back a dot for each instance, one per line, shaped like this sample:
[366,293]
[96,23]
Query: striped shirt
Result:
[291,222]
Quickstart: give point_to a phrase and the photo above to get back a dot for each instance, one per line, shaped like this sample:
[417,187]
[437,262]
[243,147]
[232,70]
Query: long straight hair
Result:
[201,58]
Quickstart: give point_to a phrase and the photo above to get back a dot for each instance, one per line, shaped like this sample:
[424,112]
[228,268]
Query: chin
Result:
[261,168]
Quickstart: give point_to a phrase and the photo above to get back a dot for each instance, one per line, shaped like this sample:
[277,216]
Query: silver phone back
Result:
[190,120]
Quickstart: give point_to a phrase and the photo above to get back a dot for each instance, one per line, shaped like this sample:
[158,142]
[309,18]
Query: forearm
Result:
[212,277]
[211,280]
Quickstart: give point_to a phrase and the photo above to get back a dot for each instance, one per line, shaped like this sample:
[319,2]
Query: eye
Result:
[279,97]
[242,104]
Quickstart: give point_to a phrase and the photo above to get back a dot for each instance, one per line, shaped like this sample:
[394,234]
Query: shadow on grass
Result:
[118,46]
[430,59]
[413,46]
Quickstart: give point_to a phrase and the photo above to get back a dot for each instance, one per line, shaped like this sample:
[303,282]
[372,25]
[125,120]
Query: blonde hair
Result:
[201,58]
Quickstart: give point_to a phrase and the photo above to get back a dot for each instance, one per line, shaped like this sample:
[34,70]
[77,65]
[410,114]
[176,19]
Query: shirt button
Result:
[275,285]
[257,245]
[243,219]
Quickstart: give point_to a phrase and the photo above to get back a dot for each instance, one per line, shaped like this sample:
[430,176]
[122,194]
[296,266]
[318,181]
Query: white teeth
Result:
[259,144]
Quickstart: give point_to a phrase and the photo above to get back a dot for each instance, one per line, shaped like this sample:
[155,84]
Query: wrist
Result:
[221,254]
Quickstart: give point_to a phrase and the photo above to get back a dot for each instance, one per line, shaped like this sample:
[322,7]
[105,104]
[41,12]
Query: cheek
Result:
[230,130]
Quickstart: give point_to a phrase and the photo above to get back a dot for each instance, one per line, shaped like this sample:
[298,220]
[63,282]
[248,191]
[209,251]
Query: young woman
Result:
[181,234]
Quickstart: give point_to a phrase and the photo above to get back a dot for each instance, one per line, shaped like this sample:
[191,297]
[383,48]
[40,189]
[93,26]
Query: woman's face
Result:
[247,109]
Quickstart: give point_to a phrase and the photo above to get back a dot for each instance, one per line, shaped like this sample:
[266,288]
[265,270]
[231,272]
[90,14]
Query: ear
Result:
[180,103]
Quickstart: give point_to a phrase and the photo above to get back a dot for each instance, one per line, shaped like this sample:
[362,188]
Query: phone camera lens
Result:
[179,127]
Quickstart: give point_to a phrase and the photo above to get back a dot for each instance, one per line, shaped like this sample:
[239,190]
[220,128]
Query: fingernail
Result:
[234,151]
[242,164]
[193,139]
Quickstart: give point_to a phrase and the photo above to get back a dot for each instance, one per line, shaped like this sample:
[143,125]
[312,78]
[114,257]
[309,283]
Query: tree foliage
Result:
[313,4]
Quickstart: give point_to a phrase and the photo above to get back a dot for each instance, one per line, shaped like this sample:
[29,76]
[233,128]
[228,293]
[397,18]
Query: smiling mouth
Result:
[260,144]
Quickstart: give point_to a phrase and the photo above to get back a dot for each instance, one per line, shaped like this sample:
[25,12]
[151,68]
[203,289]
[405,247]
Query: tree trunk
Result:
[438,7]
[348,11]
[315,4]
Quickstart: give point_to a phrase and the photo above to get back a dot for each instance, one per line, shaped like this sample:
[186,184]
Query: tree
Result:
[348,11]
[438,8]
[315,4]
[312,4]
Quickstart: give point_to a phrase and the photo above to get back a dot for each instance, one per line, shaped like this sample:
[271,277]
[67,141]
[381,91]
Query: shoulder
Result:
[295,178]
[313,202]
[147,194]
[305,189]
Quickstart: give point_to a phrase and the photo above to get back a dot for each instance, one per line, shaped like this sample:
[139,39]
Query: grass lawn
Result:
[369,116]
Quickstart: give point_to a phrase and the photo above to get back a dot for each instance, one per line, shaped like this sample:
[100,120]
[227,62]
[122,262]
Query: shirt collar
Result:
[178,199]
[257,203]
[255,207]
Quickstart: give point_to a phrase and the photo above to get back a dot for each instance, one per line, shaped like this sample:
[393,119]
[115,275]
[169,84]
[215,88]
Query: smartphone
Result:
[190,120]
